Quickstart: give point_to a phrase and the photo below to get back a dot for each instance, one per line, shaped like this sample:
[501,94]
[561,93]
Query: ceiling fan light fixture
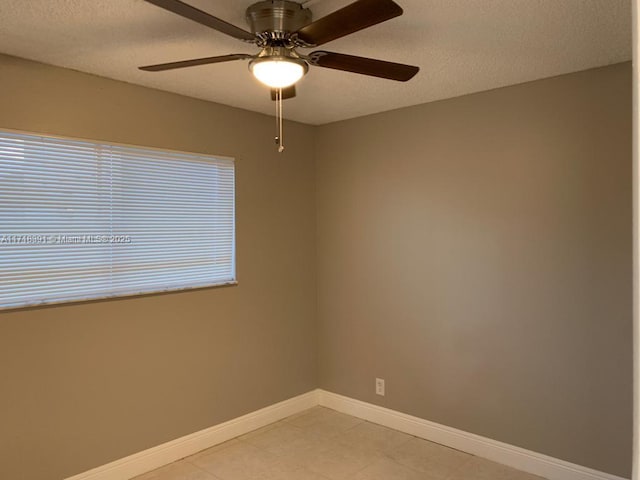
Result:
[279,27]
[278,72]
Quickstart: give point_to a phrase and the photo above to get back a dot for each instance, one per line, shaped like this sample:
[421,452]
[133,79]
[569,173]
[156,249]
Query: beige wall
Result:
[85,384]
[476,254]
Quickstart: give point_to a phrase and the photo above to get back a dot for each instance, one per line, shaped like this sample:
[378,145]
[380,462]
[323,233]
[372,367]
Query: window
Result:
[82,220]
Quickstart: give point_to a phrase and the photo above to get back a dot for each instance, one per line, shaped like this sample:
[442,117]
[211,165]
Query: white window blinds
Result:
[82,220]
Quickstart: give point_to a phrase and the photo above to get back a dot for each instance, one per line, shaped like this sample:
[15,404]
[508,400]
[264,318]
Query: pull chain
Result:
[280,136]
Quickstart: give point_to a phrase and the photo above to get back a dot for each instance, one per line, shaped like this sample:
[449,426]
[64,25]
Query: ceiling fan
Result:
[280,27]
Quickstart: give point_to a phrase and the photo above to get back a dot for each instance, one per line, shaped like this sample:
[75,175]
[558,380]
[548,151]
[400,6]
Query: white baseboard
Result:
[516,457]
[169,452]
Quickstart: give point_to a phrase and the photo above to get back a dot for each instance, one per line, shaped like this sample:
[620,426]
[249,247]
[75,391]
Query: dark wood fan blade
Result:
[287,93]
[364,66]
[195,62]
[352,18]
[192,13]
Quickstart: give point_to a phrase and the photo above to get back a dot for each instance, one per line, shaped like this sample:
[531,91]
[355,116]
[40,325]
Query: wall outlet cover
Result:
[380,386]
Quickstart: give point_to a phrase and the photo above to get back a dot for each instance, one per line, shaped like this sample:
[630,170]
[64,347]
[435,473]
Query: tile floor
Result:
[322,444]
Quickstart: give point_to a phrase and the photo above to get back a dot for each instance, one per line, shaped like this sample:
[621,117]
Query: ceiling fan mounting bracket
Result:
[276,20]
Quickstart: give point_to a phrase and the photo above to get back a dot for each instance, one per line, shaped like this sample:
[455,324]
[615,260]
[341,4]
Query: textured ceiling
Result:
[462,46]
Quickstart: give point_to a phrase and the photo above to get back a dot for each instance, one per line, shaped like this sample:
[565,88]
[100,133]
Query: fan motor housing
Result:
[276,19]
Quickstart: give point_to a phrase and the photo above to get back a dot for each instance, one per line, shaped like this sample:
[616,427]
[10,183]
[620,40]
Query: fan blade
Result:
[195,62]
[192,13]
[352,18]
[287,93]
[364,66]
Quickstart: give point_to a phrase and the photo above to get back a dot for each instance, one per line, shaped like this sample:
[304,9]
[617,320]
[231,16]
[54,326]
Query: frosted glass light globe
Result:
[277,73]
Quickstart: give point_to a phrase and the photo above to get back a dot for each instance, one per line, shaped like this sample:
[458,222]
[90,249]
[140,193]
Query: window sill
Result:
[114,297]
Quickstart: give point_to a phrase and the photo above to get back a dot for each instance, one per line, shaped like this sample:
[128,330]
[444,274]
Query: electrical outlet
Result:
[380,386]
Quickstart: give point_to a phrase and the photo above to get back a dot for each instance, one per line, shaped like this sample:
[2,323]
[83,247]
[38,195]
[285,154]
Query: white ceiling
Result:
[462,46]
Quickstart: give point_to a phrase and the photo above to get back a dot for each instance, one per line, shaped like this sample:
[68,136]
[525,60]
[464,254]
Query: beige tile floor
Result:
[322,444]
